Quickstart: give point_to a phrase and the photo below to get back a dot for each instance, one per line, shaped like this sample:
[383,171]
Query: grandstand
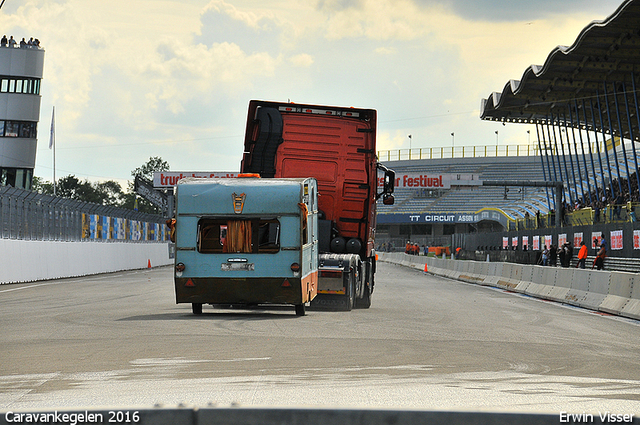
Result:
[471,199]
[465,206]
[431,215]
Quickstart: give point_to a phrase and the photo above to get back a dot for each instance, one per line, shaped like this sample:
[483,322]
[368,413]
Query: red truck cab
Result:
[336,146]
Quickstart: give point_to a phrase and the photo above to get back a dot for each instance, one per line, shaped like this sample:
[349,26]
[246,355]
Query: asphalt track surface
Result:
[429,343]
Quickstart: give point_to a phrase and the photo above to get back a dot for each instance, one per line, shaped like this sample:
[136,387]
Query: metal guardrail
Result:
[457,152]
[29,215]
[486,151]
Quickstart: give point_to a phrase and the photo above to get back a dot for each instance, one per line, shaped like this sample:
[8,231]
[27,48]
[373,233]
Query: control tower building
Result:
[20,75]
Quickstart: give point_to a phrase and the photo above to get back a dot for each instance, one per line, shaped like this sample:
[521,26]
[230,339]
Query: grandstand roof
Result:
[578,80]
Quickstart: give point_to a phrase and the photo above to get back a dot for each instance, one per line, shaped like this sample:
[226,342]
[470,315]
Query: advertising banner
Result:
[445,218]
[170,178]
[94,231]
[636,239]
[577,239]
[434,181]
[525,242]
[86,224]
[106,234]
[616,239]
[596,237]
[562,239]
[135,230]
[119,229]
[536,243]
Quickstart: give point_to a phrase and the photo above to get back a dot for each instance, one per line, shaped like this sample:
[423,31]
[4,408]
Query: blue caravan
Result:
[246,241]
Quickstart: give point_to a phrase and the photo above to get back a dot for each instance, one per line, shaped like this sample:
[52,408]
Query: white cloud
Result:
[390,141]
[376,20]
[249,18]
[136,78]
[302,60]
[385,51]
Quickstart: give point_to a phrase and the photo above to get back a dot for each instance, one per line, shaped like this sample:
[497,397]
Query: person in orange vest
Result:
[407,248]
[582,255]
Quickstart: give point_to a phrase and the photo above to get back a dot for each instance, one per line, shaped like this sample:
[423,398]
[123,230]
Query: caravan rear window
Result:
[238,236]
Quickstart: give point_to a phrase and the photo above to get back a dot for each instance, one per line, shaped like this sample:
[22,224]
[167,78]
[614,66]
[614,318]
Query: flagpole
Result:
[52,145]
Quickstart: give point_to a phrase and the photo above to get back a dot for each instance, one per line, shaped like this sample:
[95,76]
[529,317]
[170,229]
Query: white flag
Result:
[52,135]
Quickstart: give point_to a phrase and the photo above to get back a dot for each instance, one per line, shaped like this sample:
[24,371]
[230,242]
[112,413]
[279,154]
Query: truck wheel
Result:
[367,290]
[300,310]
[365,301]
[350,296]
[196,308]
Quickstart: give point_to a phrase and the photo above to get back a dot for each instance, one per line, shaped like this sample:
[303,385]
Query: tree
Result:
[109,192]
[145,171]
[103,193]
[39,185]
[71,187]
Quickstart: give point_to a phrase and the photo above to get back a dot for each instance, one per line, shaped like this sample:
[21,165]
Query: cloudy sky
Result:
[131,79]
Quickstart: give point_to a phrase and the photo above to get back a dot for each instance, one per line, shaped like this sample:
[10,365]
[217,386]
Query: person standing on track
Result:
[582,255]
[598,263]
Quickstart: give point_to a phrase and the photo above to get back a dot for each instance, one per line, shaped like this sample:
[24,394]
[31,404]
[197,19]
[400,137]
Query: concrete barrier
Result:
[539,286]
[597,289]
[561,284]
[504,278]
[473,272]
[579,288]
[632,308]
[458,269]
[511,276]
[515,277]
[620,291]
[525,279]
[611,292]
[493,273]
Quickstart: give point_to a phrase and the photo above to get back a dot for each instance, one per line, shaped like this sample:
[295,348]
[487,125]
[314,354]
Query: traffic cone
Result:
[149,264]
[425,268]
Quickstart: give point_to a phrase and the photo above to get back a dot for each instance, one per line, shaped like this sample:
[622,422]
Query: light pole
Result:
[409,136]
[453,145]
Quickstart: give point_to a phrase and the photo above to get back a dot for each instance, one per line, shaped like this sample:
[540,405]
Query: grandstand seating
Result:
[472,198]
[519,200]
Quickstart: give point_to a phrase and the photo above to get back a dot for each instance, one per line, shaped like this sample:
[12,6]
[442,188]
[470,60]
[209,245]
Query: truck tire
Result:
[300,310]
[196,308]
[367,286]
[365,301]
[351,291]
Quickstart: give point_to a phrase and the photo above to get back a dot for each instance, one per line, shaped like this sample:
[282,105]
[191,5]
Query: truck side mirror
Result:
[388,185]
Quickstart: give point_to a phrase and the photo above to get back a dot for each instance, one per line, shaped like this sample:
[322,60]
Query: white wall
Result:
[26,261]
